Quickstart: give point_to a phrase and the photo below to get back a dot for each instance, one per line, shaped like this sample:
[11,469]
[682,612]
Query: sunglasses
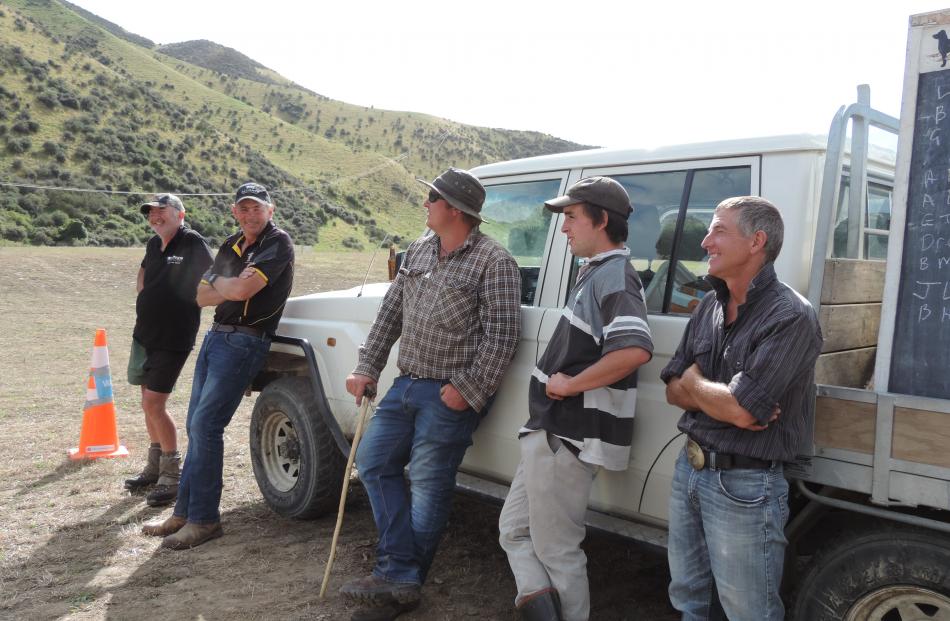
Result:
[434,196]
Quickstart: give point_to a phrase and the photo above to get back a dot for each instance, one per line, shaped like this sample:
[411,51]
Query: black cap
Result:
[162,200]
[603,192]
[253,191]
[461,189]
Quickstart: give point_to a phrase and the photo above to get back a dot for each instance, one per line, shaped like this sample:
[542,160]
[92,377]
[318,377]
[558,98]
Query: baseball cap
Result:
[253,191]
[162,200]
[461,189]
[603,192]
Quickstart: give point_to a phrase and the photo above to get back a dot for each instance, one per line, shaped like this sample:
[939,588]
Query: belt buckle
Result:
[694,455]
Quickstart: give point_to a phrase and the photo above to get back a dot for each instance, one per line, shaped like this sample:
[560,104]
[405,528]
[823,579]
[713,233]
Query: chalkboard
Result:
[920,354]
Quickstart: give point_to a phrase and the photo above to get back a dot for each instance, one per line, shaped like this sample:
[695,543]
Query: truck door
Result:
[673,206]
[515,216]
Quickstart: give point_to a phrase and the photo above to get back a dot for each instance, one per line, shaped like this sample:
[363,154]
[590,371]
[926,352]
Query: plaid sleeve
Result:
[499,310]
[384,332]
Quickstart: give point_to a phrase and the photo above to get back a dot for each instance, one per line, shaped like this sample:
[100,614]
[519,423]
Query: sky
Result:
[615,74]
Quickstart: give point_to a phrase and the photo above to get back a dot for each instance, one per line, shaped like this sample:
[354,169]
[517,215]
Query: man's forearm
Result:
[238,289]
[714,399]
[208,296]
[676,394]
[611,368]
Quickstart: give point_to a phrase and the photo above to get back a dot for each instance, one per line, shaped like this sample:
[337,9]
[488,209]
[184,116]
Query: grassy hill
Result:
[85,104]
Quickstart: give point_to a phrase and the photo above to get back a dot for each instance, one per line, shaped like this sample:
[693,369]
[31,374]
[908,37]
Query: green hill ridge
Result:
[85,104]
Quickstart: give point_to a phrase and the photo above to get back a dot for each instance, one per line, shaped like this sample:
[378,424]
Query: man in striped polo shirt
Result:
[581,400]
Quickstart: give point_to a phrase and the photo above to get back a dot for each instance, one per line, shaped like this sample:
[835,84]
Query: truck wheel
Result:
[884,575]
[298,467]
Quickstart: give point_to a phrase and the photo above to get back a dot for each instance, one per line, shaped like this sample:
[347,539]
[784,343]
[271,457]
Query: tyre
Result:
[297,464]
[888,574]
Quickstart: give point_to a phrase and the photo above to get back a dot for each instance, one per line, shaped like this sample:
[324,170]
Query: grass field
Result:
[70,546]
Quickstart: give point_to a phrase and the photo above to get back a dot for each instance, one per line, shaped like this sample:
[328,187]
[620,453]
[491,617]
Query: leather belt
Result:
[413,376]
[700,458]
[227,327]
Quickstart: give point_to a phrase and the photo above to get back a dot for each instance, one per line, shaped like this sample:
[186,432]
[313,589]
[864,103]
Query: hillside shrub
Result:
[22,126]
[18,145]
[352,242]
[14,232]
[73,233]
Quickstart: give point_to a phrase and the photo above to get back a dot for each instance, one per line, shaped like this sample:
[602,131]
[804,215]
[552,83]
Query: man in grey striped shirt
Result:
[744,374]
[581,404]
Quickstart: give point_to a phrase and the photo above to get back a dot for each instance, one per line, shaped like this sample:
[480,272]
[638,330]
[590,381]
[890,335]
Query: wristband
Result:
[212,278]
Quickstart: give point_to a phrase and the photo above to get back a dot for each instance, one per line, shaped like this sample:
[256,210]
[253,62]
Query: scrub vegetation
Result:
[86,104]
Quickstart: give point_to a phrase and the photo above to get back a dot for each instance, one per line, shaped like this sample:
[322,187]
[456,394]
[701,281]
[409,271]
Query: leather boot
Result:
[149,474]
[166,488]
[373,591]
[192,535]
[542,605]
[162,529]
[387,612]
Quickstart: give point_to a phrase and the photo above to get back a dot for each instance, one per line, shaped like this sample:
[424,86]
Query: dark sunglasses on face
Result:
[434,196]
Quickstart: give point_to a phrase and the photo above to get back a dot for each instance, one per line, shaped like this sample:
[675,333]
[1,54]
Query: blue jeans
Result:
[727,533]
[412,427]
[226,364]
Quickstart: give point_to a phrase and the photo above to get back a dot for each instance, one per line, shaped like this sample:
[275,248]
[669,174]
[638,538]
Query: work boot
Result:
[167,527]
[373,591]
[192,535]
[387,612]
[542,605]
[166,488]
[149,474]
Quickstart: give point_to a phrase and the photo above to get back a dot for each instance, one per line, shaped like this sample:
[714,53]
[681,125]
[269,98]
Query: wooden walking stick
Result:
[364,408]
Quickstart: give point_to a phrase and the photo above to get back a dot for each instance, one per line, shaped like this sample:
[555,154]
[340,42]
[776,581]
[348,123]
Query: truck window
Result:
[516,218]
[661,201]
[875,225]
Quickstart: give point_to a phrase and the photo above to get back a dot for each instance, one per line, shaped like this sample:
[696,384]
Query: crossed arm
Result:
[611,368]
[237,289]
[693,392]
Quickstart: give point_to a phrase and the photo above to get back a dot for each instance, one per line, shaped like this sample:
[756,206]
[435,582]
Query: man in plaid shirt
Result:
[456,305]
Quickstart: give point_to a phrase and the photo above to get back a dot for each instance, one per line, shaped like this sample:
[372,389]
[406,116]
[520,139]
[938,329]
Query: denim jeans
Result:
[727,533]
[412,427]
[226,364]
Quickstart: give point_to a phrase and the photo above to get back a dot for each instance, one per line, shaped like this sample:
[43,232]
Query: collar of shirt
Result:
[172,241]
[600,258]
[236,239]
[603,256]
[435,243]
[757,287]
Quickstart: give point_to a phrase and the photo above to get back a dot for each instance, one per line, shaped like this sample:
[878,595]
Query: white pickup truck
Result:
[870,506]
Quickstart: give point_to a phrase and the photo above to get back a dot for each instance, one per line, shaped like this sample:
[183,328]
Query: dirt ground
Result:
[70,546]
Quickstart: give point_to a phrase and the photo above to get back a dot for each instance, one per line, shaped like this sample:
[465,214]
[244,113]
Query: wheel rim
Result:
[901,603]
[280,451]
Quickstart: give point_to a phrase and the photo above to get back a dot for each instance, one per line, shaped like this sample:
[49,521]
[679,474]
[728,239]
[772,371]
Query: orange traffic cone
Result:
[99,437]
